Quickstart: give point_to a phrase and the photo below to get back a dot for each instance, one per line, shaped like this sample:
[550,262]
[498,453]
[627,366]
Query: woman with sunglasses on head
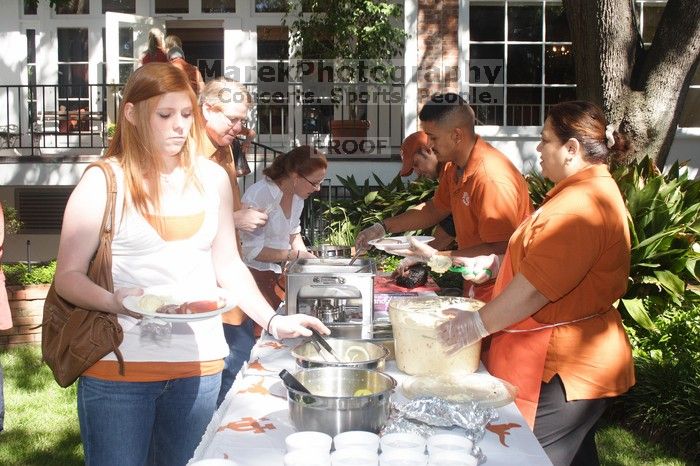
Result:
[173,230]
[290,179]
[555,333]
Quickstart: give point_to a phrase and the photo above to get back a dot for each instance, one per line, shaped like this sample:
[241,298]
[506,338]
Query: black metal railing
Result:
[56,118]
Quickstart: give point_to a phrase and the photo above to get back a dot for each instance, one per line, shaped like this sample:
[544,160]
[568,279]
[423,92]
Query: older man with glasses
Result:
[225,105]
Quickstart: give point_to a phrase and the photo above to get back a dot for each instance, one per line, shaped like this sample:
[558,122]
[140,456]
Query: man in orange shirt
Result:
[486,195]
[177,58]
[225,105]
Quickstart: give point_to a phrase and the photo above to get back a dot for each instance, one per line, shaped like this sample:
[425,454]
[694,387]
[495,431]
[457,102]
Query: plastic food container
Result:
[402,458]
[354,457]
[403,441]
[357,439]
[452,458]
[418,351]
[309,440]
[449,442]
[307,458]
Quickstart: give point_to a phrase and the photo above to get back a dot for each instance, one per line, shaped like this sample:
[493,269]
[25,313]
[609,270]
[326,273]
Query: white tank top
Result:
[142,259]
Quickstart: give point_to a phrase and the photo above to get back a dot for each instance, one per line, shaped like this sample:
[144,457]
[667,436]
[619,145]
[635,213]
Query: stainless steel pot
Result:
[325,251]
[332,406]
[350,352]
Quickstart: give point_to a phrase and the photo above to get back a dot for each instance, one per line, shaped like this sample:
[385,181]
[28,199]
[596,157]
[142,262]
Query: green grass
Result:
[41,422]
[618,446]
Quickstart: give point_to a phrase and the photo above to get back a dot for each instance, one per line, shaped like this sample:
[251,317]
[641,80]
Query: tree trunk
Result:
[641,91]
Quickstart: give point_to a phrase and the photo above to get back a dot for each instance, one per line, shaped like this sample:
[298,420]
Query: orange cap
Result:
[412,144]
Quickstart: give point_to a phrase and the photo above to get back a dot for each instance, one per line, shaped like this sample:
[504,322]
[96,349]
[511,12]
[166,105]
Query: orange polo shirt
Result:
[224,157]
[488,201]
[575,250]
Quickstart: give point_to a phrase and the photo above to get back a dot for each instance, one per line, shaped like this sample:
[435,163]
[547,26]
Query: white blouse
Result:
[266,195]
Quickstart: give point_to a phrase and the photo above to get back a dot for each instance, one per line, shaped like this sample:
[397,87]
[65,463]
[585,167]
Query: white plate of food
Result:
[485,389]
[398,242]
[174,305]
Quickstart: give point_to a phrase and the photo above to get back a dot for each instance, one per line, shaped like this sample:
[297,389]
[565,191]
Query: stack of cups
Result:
[450,450]
[403,449]
[355,448]
[308,448]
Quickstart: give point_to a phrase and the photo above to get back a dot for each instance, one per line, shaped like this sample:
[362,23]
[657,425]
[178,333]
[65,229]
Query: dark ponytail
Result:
[586,123]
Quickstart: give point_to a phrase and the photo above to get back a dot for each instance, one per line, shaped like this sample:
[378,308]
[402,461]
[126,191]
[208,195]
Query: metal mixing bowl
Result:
[332,407]
[307,354]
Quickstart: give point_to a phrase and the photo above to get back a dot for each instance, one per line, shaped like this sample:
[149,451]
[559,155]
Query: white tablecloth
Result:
[252,422]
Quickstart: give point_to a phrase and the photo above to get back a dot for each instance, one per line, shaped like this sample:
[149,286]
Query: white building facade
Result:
[63,68]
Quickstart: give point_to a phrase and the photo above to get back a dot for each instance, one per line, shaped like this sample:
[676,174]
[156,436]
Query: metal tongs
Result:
[319,340]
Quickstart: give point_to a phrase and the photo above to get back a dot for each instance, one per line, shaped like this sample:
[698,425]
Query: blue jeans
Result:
[240,341]
[144,423]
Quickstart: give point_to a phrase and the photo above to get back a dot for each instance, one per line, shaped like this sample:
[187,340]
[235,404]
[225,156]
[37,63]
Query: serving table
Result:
[251,424]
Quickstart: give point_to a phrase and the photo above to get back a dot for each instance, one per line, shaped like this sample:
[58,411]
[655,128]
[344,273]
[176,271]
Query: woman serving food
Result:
[555,332]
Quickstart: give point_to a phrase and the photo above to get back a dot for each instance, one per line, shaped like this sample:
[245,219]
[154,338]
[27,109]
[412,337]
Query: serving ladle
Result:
[292,382]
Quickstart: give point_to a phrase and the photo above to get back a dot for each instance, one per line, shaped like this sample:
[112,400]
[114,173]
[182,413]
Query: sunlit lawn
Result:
[41,426]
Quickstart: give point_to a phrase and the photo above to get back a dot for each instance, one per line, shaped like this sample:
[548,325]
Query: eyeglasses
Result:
[315,185]
[233,121]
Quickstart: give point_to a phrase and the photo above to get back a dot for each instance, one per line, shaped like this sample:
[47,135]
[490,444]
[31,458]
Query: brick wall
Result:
[438,48]
[26,305]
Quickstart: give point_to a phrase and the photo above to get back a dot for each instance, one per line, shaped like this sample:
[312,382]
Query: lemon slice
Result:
[362,392]
[356,353]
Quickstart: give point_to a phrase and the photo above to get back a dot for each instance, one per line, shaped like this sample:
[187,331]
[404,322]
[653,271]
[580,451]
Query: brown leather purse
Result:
[73,339]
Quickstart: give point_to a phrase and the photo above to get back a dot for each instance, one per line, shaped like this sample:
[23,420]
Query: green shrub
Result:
[345,218]
[19,274]
[664,223]
[665,402]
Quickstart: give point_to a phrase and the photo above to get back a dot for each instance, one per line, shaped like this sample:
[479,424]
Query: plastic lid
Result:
[426,311]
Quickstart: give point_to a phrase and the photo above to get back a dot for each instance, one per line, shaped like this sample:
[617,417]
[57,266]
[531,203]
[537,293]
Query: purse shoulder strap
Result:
[107,230]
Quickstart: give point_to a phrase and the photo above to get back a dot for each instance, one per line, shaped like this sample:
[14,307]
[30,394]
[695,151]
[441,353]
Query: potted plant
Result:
[109,132]
[353,34]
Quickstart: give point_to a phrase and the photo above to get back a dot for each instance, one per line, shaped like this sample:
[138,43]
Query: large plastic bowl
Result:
[417,348]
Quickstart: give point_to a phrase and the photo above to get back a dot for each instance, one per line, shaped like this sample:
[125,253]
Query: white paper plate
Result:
[398,242]
[485,389]
[175,296]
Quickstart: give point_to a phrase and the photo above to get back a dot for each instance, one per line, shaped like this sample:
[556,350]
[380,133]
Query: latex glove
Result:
[376,231]
[295,325]
[479,269]
[405,263]
[462,329]
[418,249]
[249,219]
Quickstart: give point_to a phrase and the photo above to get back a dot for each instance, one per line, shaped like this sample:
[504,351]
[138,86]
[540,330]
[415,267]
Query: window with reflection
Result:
[119,6]
[30,7]
[270,6]
[172,6]
[273,82]
[517,51]
[72,68]
[31,73]
[218,6]
[73,7]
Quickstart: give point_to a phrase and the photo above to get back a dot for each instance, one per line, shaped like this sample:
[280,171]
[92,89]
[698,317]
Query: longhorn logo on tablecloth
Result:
[273,345]
[502,430]
[257,366]
[249,424]
[257,388]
